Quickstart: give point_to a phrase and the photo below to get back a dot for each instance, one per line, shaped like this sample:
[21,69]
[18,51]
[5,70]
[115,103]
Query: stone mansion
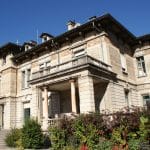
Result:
[96,66]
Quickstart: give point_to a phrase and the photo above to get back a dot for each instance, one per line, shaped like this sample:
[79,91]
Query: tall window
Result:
[28,76]
[123,62]
[26,113]
[126,93]
[146,100]
[23,79]
[141,66]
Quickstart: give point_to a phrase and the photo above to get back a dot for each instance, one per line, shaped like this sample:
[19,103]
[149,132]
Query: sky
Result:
[20,19]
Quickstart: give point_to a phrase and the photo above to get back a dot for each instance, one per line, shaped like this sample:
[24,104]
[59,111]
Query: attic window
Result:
[26,47]
[4,60]
[44,39]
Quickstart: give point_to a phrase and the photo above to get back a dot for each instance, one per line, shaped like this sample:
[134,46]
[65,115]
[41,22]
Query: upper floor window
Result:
[141,66]
[79,53]
[23,79]
[146,101]
[45,65]
[123,62]
[26,76]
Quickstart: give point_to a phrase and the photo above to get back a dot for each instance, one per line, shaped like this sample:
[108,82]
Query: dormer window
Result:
[4,60]
[45,37]
[29,45]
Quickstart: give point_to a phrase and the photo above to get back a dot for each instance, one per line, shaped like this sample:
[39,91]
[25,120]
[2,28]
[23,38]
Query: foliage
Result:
[104,144]
[134,144]
[12,137]
[57,137]
[125,128]
[86,132]
[32,136]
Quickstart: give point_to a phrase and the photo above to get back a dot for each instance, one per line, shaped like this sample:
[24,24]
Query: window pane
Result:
[26,113]
[28,76]
[23,79]
[141,66]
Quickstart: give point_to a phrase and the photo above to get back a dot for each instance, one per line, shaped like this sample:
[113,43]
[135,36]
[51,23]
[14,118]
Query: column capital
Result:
[72,80]
[44,87]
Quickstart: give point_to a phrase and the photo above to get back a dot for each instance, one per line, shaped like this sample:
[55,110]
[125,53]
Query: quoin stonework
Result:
[97,66]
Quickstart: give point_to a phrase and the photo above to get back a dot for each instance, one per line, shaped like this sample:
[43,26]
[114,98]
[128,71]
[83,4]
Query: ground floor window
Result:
[26,113]
[146,100]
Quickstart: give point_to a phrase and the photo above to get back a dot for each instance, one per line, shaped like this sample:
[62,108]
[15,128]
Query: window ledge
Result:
[141,76]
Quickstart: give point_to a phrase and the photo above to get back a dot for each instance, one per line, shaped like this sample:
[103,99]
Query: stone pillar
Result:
[1,116]
[86,94]
[45,108]
[73,96]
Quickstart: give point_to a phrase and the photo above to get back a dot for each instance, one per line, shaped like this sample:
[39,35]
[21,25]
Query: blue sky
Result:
[20,19]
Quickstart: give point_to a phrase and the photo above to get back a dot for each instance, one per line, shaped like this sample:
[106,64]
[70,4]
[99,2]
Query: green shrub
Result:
[32,136]
[86,133]
[134,144]
[12,137]
[104,145]
[57,137]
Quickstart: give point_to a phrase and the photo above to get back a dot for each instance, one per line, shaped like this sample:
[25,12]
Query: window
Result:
[79,53]
[126,93]
[26,113]
[141,66]
[28,76]
[42,66]
[48,64]
[146,101]
[23,79]
[123,62]
[3,60]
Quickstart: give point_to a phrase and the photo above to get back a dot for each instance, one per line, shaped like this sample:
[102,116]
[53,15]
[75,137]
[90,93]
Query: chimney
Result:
[72,24]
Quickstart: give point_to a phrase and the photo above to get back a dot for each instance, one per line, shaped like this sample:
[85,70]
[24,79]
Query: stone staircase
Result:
[2,139]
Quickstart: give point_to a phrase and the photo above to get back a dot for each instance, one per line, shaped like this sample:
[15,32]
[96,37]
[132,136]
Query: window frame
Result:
[141,66]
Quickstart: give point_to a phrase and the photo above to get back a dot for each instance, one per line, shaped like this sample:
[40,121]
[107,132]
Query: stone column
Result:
[1,116]
[45,108]
[86,94]
[73,96]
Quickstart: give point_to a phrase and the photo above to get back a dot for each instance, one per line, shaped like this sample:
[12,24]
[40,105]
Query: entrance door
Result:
[1,116]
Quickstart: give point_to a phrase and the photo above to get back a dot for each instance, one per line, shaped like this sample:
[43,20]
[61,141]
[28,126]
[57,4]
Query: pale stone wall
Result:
[86,94]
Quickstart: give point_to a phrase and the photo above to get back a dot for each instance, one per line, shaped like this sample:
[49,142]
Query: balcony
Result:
[74,63]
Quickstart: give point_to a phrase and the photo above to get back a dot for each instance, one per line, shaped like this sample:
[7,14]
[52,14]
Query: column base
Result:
[45,125]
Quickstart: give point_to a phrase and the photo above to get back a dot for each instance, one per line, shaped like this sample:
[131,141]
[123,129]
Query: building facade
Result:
[98,66]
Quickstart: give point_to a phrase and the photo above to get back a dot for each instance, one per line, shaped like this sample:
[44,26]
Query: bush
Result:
[32,136]
[57,137]
[12,137]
